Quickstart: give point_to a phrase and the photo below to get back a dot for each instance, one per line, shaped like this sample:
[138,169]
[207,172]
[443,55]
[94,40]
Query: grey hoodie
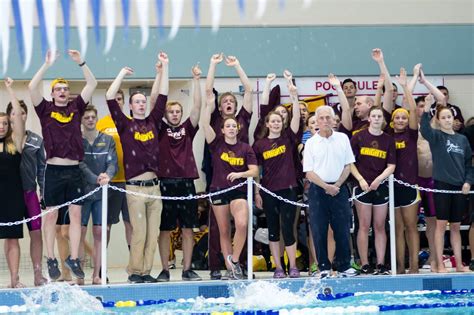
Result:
[100,157]
[33,162]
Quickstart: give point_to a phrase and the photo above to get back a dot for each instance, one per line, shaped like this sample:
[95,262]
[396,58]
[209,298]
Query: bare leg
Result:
[188,246]
[430,235]
[380,215]
[12,253]
[49,229]
[63,248]
[410,218]
[74,230]
[400,240]
[239,211]
[275,250]
[455,237]
[222,214]
[36,253]
[439,244]
[364,212]
[97,234]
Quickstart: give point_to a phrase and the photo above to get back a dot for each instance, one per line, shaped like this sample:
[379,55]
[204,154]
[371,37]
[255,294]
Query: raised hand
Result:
[421,78]
[416,69]
[196,71]
[217,58]
[231,61]
[271,77]
[381,81]
[158,67]
[402,79]
[293,90]
[334,81]
[8,82]
[51,57]
[163,58]
[288,75]
[210,97]
[377,55]
[429,99]
[126,71]
[75,55]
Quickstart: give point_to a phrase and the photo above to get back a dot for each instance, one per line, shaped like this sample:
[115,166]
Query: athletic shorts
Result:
[226,198]
[405,196]
[374,197]
[32,208]
[182,212]
[62,183]
[117,203]
[63,216]
[450,207]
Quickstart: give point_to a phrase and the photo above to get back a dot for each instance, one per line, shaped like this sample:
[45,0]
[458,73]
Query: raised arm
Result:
[156,83]
[414,79]
[232,61]
[91,82]
[346,118]
[34,86]
[379,92]
[115,86]
[17,123]
[206,117]
[197,98]
[266,88]
[377,56]
[412,118]
[295,107]
[425,126]
[215,60]
[439,96]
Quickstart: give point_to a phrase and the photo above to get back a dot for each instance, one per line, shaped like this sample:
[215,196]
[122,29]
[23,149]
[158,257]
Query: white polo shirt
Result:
[327,157]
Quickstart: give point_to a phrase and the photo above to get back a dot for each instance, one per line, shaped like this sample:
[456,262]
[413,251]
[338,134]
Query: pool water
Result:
[258,297]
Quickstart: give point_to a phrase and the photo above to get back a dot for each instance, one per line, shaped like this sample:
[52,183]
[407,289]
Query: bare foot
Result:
[39,279]
[96,280]
[434,266]
[463,269]
[80,281]
[442,270]
[401,271]
[17,285]
[413,271]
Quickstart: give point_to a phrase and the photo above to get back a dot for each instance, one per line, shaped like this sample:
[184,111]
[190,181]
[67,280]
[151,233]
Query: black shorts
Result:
[62,183]
[117,203]
[374,197]
[63,216]
[182,212]
[405,196]
[226,198]
[450,207]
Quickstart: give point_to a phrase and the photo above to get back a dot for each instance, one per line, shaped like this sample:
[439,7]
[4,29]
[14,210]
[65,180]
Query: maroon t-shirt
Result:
[61,127]
[176,151]
[243,119]
[276,156]
[407,157]
[139,138]
[372,153]
[228,158]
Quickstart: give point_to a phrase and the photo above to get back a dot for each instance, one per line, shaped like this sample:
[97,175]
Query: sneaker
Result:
[245,273]
[294,273]
[366,270]
[236,269]
[471,265]
[149,279]
[324,274]
[228,275]
[134,278]
[190,275]
[279,274]
[355,266]
[164,276]
[53,269]
[216,275]
[75,266]
[381,270]
[351,272]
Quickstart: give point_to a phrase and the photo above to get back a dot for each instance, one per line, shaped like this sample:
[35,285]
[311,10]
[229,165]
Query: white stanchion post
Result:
[250,229]
[391,208]
[104,235]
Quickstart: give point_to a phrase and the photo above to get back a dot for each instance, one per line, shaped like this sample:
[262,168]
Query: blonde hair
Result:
[172,103]
[9,145]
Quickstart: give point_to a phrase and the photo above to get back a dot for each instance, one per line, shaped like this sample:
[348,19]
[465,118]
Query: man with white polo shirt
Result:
[327,159]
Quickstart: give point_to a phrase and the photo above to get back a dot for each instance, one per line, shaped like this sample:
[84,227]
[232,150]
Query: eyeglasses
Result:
[61,88]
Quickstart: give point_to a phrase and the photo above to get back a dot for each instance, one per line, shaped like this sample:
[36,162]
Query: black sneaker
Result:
[134,278]
[366,270]
[149,279]
[216,275]
[190,275]
[471,265]
[75,266]
[381,270]
[164,276]
[53,269]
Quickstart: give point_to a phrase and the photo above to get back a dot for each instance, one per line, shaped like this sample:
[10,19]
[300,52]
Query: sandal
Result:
[279,274]
[294,273]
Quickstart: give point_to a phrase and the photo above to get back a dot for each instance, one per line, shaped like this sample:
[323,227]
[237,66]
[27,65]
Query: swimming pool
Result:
[411,294]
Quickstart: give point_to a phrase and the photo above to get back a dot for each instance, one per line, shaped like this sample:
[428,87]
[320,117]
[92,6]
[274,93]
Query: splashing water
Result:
[61,297]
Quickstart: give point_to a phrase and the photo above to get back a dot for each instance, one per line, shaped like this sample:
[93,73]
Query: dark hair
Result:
[120,91]
[265,131]
[226,118]
[22,105]
[442,87]
[393,84]
[349,80]
[309,116]
[91,108]
[420,98]
[440,108]
[133,94]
